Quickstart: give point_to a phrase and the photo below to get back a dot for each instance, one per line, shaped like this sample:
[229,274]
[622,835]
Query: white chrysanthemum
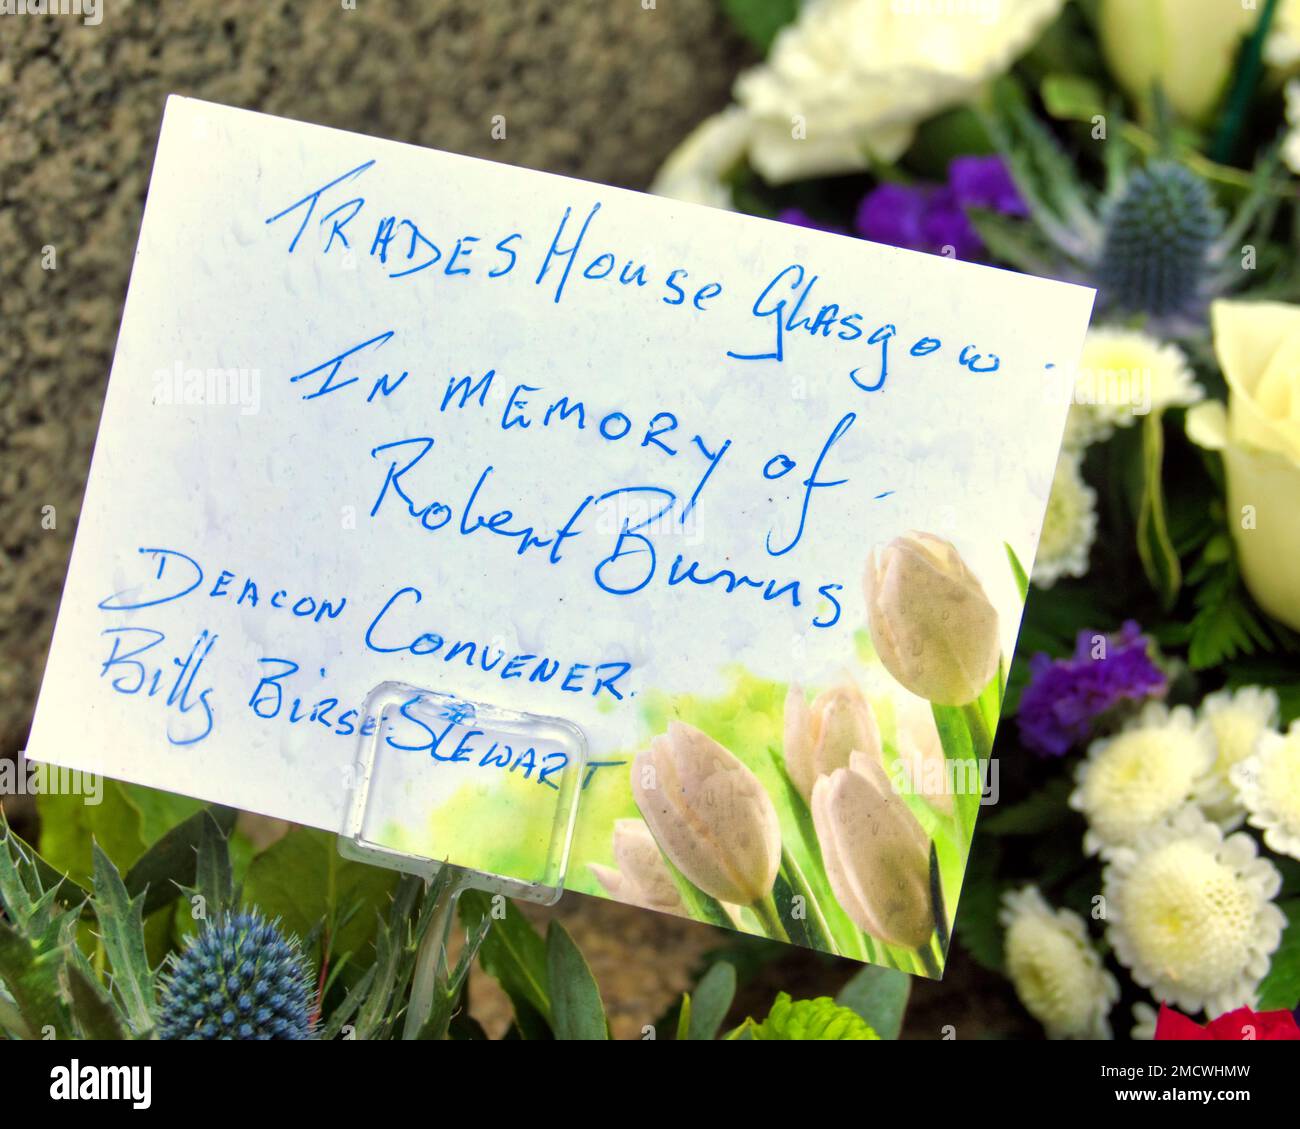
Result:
[1237,721]
[1144,1023]
[852,79]
[1155,767]
[1291,147]
[1190,913]
[1269,785]
[697,169]
[1069,526]
[1282,47]
[1125,374]
[1054,968]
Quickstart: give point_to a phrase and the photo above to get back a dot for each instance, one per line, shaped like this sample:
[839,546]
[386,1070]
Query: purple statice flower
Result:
[800,218]
[985,182]
[893,214]
[1065,697]
[932,217]
[945,225]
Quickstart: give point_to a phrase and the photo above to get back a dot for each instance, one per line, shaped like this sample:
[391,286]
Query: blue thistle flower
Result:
[237,978]
[1158,241]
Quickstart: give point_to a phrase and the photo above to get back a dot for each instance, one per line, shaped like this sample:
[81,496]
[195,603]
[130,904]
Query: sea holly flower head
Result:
[239,977]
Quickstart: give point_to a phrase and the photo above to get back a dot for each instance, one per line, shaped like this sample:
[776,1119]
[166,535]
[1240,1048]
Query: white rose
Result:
[696,170]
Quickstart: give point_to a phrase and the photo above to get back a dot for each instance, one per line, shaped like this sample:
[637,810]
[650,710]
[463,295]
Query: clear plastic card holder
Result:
[442,781]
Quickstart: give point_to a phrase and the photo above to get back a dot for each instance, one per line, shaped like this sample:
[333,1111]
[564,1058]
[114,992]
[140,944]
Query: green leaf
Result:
[213,879]
[162,811]
[759,21]
[303,880]
[1018,571]
[964,736]
[92,1009]
[1155,547]
[1042,811]
[32,980]
[699,905]
[121,929]
[977,928]
[798,908]
[514,955]
[575,999]
[822,1020]
[169,864]
[1045,175]
[1281,987]
[684,1018]
[25,875]
[713,996]
[1069,97]
[69,825]
[879,995]
[1015,242]
[1225,625]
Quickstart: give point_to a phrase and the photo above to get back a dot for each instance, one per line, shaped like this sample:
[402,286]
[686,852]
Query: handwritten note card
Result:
[739,500]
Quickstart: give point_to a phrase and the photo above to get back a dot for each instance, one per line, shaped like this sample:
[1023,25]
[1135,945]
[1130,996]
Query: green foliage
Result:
[1041,812]
[822,1020]
[760,20]
[704,1011]
[575,1000]
[409,991]
[1155,548]
[879,996]
[120,922]
[514,954]
[170,864]
[977,929]
[1225,624]
[304,881]
[1281,987]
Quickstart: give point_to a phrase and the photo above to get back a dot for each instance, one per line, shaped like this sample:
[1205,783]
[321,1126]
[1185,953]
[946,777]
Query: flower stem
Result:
[929,961]
[770,920]
[981,738]
[429,975]
[1247,79]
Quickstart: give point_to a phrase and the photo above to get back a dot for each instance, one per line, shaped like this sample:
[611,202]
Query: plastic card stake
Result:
[542,493]
[466,799]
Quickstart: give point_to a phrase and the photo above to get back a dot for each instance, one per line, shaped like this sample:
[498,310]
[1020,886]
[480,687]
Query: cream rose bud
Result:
[638,857]
[877,855]
[1185,47]
[932,625]
[709,814]
[1258,348]
[820,737]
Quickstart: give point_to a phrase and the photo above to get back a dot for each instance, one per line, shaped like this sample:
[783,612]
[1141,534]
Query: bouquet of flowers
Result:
[1144,851]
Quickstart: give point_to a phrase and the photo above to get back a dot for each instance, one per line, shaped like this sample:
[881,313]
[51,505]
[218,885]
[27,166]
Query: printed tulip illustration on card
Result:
[578,539]
[852,851]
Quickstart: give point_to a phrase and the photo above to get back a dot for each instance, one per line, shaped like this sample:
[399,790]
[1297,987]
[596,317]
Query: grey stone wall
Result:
[600,89]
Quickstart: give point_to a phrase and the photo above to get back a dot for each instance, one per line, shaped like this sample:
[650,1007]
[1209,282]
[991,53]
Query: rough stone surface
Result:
[600,89]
